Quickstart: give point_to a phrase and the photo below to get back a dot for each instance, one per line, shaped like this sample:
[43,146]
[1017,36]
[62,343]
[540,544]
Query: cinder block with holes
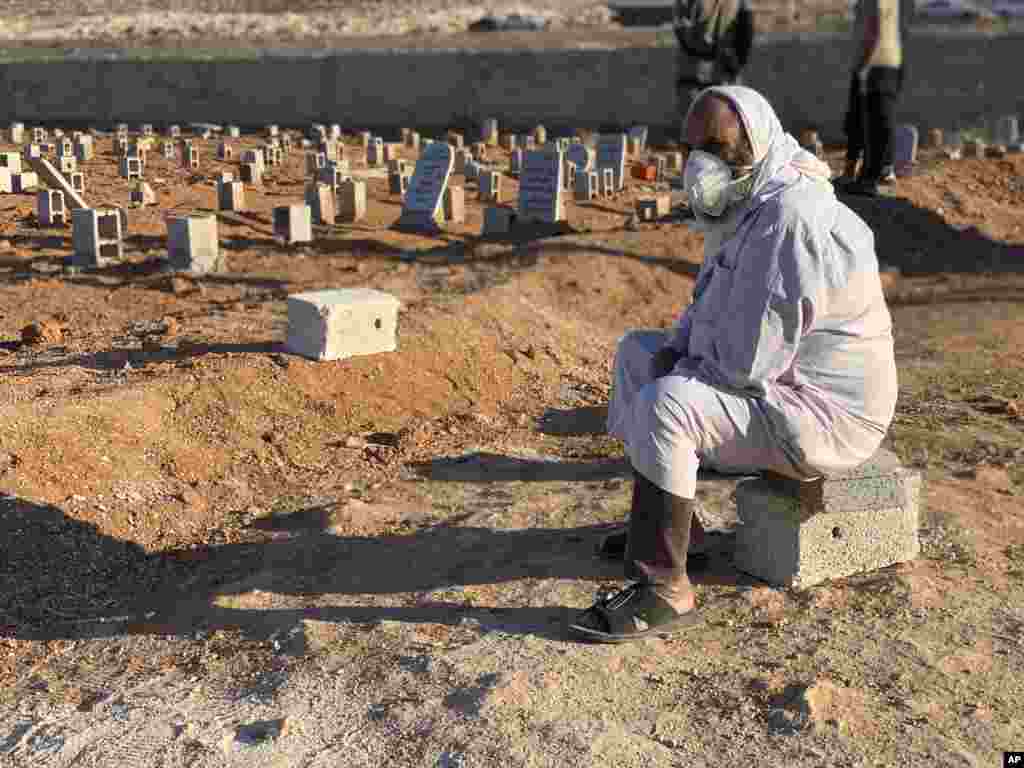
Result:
[96,236]
[230,195]
[797,534]
[51,208]
[131,168]
[337,324]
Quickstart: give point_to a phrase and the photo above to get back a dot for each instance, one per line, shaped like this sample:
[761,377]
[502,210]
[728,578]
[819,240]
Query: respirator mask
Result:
[711,188]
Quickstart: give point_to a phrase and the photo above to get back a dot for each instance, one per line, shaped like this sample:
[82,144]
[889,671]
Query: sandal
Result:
[613,547]
[634,613]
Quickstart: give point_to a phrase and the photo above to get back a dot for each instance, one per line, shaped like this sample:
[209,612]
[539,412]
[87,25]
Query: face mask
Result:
[710,186]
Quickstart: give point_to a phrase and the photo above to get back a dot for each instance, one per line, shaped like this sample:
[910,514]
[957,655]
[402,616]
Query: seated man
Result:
[782,362]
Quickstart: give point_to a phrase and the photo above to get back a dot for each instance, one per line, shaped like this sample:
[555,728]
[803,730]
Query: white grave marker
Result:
[540,187]
[611,153]
[421,209]
[639,134]
[581,157]
[904,148]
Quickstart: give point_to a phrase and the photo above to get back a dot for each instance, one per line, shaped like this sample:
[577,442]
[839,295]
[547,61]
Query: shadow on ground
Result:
[62,578]
[920,242]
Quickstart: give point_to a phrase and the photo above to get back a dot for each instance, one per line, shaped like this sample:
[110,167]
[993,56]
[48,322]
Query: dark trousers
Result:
[869,120]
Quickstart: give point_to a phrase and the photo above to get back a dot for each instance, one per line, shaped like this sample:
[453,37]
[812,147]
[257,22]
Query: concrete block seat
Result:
[797,534]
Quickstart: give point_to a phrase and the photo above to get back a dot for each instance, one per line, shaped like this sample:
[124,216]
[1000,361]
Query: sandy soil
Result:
[219,554]
[346,23]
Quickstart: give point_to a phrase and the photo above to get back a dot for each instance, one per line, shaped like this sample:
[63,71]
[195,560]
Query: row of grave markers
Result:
[541,184]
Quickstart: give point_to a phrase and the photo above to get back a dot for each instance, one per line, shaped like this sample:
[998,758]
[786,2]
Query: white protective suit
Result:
[787,346]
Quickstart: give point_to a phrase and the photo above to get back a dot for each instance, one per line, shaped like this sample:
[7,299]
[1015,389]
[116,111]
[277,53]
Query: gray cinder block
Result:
[192,244]
[96,236]
[336,324]
[586,186]
[51,208]
[798,534]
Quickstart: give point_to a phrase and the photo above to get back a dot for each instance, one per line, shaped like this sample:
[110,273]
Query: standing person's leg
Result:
[854,127]
[880,100]
[888,88]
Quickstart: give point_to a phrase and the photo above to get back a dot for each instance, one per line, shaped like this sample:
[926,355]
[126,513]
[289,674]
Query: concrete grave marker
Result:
[11,161]
[314,162]
[375,152]
[455,204]
[639,134]
[904,148]
[586,186]
[293,223]
[1008,130]
[55,180]
[23,182]
[320,199]
[489,133]
[192,244]
[50,208]
[421,209]
[581,157]
[352,200]
[131,168]
[611,153]
[230,195]
[337,324]
[498,220]
[96,236]
[490,186]
[252,173]
[84,148]
[540,187]
[516,162]
[142,194]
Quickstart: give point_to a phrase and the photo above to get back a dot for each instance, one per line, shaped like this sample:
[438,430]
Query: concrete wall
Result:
[953,80]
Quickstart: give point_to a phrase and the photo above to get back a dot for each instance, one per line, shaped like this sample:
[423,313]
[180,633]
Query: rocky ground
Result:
[348,23]
[218,554]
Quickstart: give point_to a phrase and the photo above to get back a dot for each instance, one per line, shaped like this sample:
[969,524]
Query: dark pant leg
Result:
[854,123]
[659,529]
[884,85]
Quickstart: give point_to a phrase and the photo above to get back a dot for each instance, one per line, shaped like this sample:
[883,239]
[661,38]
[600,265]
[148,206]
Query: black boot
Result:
[659,529]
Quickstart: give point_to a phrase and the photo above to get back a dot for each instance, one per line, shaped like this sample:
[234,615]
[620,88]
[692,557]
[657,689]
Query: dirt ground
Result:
[216,553]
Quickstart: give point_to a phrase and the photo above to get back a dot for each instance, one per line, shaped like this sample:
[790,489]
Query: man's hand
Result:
[664,361]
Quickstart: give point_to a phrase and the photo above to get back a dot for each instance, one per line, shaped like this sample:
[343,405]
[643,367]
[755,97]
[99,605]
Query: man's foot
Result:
[863,188]
[638,611]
